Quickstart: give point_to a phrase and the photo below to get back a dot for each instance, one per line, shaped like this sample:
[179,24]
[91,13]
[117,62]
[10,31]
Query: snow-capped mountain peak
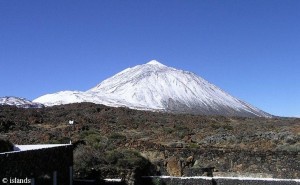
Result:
[155,86]
[155,62]
[19,102]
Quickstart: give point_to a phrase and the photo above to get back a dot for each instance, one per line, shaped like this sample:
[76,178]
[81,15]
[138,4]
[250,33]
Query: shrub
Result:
[6,146]
[114,140]
[85,133]
[117,136]
[6,125]
[112,157]
[54,141]
[193,145]
[95,140]
[86,160]
[182,131]
[168,130]
[126,159]
[289,148]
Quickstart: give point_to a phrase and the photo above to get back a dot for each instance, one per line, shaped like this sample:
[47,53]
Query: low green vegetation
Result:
[289,147]
[90,161]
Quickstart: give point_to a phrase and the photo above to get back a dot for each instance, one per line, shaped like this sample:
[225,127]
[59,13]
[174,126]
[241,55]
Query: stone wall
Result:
[214,181]
[279,164]
[265,163]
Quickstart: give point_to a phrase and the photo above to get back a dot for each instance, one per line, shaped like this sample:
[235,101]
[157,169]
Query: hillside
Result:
[105,132]
[51,124]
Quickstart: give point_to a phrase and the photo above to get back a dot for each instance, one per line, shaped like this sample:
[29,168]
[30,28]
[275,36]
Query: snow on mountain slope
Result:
[19,102]
[154,86]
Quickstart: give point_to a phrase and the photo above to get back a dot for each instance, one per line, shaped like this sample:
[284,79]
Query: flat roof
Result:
[20,148]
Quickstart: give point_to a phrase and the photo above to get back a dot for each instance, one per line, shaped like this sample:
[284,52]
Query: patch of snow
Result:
[113,180]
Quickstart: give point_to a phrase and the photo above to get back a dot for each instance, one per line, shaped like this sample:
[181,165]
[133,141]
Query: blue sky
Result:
[249,48]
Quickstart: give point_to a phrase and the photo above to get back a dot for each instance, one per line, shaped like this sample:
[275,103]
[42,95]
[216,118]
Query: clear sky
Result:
[249,48]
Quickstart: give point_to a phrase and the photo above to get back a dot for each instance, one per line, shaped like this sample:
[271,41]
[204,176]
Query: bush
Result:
[86,160]
[182,131]
[112,157]
[114,140]
[85,133]
[117,136]
[168,130]
[90,162]
[6,146]
[54,141]
[126,159]
[193,145]
[289,148]
[94,139]
[6,125]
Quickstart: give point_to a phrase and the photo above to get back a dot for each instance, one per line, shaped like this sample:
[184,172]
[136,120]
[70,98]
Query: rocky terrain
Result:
[121,142]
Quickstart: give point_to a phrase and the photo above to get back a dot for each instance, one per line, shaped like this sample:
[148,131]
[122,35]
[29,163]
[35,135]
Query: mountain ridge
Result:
[19,102]
[155,86]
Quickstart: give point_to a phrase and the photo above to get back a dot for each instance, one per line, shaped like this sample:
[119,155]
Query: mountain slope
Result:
[19,102]
[154,86]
